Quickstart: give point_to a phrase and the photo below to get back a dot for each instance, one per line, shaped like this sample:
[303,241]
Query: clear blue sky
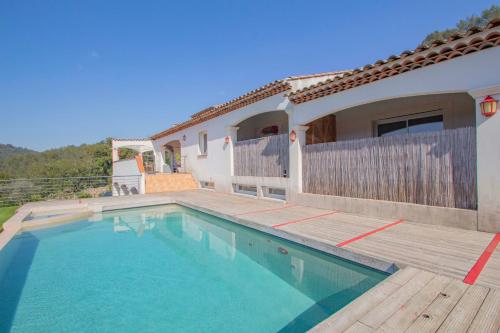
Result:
[75,72]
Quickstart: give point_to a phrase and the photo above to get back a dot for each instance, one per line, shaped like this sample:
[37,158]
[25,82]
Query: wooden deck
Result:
[413,300]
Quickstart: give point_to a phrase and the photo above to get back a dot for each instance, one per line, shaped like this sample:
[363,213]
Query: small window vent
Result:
[207,185]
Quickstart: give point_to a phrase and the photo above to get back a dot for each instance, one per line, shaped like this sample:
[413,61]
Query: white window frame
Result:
[250,192]
[267,192]
[203,143]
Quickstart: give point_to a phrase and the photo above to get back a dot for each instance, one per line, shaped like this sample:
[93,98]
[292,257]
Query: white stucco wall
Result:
[460,75]
[216,166]
[488,163]
[126,168]
[126,173]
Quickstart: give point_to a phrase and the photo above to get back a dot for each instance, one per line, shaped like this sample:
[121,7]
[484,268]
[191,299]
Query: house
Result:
[403,137]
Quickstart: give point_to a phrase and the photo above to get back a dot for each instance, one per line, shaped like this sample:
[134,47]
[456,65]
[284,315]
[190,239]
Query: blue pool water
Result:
[169,269]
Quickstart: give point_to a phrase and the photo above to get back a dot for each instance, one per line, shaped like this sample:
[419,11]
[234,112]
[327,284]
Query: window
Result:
[270,130]
[245,189]
[203,143]
[427,122]
[274,192]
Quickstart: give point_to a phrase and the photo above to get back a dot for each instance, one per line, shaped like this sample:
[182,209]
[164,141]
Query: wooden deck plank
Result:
[452,267]
[407,314]
[434,315]
[487,319]
[491,271]
[403,276]
[391,304]
[350,314]
[465,311]
[359,328]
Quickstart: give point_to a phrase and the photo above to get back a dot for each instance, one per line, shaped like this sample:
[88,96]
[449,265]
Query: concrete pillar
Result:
[142,183]
[232,133]
[488,162]
[296,160]
[159,157]
[115,157]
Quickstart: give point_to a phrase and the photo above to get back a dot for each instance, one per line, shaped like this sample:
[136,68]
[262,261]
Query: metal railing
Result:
[19,191]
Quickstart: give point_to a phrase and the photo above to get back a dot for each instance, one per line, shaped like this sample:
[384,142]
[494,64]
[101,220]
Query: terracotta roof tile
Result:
[457,45]
[141,139]
[310,76]
[251,97]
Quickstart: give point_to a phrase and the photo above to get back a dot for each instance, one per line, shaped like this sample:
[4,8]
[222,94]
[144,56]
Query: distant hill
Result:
[10,150]
[70,161]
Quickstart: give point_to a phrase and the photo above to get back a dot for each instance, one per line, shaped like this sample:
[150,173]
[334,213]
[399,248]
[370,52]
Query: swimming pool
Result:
[170,269]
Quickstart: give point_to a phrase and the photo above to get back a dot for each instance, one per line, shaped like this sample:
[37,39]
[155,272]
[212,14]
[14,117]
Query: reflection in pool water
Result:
[169,268]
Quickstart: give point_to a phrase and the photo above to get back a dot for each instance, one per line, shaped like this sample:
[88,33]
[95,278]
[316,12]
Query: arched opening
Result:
[263,125]
[261,149]
[418,149]
[398,116]
[172,158]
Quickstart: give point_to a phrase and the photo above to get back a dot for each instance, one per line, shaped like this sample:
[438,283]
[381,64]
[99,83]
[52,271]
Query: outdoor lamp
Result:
[293,136]
[227,139]
[488,106]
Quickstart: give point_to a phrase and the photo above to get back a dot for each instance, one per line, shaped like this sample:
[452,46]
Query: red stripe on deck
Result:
[481,262]
[303,219]
[369,233]
[265,210]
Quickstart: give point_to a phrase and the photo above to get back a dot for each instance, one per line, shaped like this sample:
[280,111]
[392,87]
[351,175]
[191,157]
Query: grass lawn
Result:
[6,213]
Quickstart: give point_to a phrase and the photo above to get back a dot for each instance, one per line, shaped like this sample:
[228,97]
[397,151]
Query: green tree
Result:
[463,25]
[69,161]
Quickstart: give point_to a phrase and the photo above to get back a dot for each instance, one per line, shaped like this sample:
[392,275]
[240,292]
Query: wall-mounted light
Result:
[293,136]
[227,139]
[184,137]
[488,106]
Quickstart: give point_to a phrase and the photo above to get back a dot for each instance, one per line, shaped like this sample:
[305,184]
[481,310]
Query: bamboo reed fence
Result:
[262,157]
[435,168]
